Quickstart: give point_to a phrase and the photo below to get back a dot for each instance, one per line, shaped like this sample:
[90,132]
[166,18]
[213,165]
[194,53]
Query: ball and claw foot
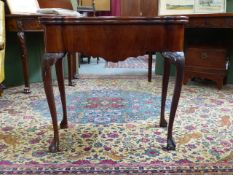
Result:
[63,124]
[171,145]
[27,90]
[54,146]
[163,123]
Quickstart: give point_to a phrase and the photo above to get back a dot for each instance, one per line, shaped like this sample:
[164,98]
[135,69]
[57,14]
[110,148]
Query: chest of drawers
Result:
[206,62]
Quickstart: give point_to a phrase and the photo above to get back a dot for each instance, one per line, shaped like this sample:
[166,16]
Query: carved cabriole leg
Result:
[166,73]
[176,58]
[150,67]
[24,55]
[48,60]
[61,86]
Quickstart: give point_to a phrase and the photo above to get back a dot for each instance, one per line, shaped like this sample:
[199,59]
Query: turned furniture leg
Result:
[48,60]
[150,67]
[176,58]
[166,73]
[61,86]
[24,55]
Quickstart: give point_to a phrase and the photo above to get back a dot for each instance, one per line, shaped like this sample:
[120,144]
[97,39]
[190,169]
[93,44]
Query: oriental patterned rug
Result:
[140,62]
[113,129]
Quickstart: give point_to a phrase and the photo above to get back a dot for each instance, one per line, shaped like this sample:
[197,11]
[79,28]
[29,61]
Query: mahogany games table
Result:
[114,39]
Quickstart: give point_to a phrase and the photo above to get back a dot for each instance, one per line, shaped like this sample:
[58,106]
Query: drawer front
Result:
[28,25]
[202,57]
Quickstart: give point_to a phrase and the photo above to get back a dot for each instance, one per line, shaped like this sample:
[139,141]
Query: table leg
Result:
[24,56]
[75,75]
[166,73]
[150,66]
[61,86]
[70,57]
[48,60]
[176,58]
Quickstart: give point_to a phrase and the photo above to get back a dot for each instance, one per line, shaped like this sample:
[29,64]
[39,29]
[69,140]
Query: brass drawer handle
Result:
[204,55]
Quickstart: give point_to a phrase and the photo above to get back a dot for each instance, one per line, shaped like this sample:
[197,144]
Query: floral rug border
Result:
[85,167]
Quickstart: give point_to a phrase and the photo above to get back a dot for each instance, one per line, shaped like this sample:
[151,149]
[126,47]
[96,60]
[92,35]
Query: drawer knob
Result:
[204,55]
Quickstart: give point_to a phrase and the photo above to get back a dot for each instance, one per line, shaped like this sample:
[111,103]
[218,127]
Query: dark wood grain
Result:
[216,20]
[30,23]
[99,34]
[130,8]
[147,8]
[66,4]
[115,39]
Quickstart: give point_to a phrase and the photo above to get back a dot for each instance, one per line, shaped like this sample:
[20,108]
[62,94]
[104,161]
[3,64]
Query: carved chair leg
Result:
[48,61]
[166,73]
[24,56]
[60,79]
[150,67]
[70,59]
[176,58]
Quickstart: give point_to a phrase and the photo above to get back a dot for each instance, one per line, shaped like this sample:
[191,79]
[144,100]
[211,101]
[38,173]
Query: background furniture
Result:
[86,8]
[2,45]
[100,5]
[30,23]
[208,42]
[139,7]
